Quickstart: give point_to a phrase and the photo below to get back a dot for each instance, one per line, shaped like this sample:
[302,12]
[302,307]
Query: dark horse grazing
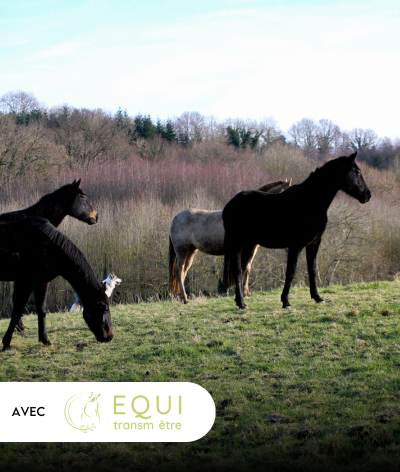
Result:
[32,253]
[294,219]
[67,200]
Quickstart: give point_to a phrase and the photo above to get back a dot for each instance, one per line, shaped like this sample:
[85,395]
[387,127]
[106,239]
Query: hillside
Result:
[314,387]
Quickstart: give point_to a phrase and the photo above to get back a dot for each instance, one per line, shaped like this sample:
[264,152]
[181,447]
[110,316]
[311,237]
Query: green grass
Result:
[316,387]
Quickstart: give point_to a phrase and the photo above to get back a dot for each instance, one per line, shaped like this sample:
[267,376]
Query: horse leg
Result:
[191,252]
[20,326]
[293,258]
[239,279]
[41,308]
[311,253]
[180,272]
[246,290]
[20,298]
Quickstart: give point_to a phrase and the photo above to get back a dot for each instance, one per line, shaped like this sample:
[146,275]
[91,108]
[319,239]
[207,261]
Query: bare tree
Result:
[18,102]
[270,131]
[361,139]
[23,149]
[87,135]
[190,127]
[327,135]
[304,134]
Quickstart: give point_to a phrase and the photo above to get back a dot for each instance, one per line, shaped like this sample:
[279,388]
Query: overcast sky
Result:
[228,58]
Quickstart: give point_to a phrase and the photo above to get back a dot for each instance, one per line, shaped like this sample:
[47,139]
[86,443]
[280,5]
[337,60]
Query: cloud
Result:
[60,50]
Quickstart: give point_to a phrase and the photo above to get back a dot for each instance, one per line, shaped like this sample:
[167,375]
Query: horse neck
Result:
[81,277]
[54,213]
[320,190]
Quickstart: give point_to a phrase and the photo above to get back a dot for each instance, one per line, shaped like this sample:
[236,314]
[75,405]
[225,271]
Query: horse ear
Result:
[352,157]
[77,183]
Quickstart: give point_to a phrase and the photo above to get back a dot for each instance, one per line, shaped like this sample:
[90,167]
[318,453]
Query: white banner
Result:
[104,412]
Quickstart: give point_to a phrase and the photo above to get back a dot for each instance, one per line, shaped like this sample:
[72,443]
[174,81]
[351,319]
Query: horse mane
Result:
[315,176]
[44,205]
[73,254]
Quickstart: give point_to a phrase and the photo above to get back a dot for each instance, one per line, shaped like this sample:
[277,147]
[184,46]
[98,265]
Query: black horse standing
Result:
[67,200]
[294,219]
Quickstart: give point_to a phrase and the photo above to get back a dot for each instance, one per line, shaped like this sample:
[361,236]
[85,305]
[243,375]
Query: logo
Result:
[82,411]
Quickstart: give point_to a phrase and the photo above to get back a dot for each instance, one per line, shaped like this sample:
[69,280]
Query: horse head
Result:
[80,208]
[353,182]
[98,318]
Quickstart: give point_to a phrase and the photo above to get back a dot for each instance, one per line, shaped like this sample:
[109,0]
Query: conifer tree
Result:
[169,133]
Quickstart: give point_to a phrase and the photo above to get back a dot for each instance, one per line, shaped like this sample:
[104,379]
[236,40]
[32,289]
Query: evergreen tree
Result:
[144,127]
[119,118]
[242,138]
[124,122]
[26,117]
[183,138]
[233,136]
[169,133]
[160,128]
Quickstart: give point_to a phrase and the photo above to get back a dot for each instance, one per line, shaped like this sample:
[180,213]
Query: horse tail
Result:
[229,260]
[173,279]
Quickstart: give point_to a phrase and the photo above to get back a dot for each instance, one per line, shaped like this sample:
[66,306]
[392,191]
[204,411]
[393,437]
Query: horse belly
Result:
[274,242]
[209,245]
[209,233]
[10,267]
[274,233]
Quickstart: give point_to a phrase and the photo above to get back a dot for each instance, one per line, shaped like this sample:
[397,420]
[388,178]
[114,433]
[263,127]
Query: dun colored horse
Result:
[294,219]
[67,200]
[196,230]
[32,253]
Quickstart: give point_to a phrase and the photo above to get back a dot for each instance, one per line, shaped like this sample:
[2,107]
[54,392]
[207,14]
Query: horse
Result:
[67,200]
[32,253]
[294,219]
[110,282]
[196,230]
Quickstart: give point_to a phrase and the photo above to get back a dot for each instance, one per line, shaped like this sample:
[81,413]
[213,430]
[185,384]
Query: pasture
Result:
[315,387]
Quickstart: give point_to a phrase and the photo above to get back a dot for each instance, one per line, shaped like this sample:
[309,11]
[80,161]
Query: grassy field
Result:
[316,387]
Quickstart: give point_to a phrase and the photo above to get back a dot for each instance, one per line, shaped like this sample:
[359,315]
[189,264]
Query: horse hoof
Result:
[46,343]
[321,301]
[287,306]
[6,348]
[185,302]
[243,307]
[20,327]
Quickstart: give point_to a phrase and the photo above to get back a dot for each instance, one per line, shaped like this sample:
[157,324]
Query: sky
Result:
[286,59]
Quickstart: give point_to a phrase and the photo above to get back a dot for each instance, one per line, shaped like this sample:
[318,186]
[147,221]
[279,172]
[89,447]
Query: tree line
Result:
[33,137]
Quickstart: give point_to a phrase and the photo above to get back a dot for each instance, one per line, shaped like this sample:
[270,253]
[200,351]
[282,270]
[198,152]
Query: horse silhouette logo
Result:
[82,411]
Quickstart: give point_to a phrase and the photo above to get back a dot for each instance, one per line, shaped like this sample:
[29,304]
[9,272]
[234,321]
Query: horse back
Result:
[274,221]
[13,215]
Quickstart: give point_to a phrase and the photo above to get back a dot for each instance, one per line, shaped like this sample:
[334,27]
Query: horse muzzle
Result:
[106,338]
[366,197]
[93,218]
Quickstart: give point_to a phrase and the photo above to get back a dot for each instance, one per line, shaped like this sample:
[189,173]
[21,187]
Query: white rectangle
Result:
[105,412]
